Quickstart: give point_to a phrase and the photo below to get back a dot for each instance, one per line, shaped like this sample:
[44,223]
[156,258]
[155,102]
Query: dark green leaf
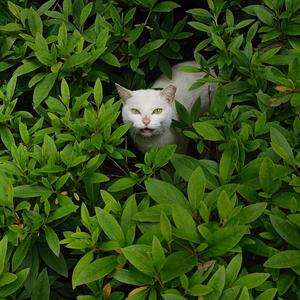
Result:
[284,259]
[165,6]
[52,240]
[41,289]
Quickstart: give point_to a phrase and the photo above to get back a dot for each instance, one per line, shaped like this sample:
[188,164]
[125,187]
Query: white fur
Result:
[146,101]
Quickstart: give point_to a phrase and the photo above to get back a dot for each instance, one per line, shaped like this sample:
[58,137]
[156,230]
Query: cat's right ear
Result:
[123,92]
[169,93]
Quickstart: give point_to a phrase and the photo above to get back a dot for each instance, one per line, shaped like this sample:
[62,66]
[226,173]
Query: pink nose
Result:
[146,121]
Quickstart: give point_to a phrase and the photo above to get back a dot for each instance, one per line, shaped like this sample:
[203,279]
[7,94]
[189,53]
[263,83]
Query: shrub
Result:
[84,216]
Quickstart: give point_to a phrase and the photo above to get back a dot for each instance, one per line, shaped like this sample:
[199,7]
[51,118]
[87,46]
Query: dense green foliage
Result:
[83,215]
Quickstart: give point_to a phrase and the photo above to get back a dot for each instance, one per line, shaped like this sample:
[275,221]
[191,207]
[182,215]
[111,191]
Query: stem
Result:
[119,167]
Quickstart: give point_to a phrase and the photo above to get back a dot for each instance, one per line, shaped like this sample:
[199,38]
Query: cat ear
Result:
[123,92]
[169,92]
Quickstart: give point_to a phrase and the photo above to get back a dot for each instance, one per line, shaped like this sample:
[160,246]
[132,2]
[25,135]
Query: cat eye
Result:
[135,111]
[157,111]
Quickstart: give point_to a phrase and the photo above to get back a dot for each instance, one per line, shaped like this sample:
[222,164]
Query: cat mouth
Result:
[146,131]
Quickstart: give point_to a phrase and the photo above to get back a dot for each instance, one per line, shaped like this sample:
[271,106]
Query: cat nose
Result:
[146,121]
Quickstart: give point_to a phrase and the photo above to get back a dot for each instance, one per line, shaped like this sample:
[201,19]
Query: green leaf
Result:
[134,34]
[286,230]
[171,296]
[98,92]
[86,11]
[177,263]
[244,294]
[43,89]
[119,133]
[185,224]
[80,266]
[3,250]
[151,46]
[196,188]
[7,137]
[121,184]
[217,282]
[34,21]
[24,132]
[29,191]
[76,60]
[200,290]
[45,7]
[219,101]
[20,253]
[267,295]
[285,281]
[252,280]
[41,289]
[11,288]
[133,277]
[250,213]
[111,60]
[56,263]
[110,226]
[225,206]
[11,27]
[165,226]
[200,26]
[66,208]
[165,6]
[295,99]
[52,240]
[10,88]
[284,259]
[263,13]
[228,161]
[219,43]
[158,254]
[140,257]
[7,278]
[266,172]
[208,131]
[233,269]
[96,270]
[163,156]
[280,145]
[164,193]
[65,92]
[231,293]
[223,240]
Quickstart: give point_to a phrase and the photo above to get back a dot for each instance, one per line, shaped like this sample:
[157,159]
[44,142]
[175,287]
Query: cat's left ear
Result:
[123,92]
[169,93]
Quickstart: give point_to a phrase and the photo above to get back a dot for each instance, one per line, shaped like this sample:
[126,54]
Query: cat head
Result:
[149,111]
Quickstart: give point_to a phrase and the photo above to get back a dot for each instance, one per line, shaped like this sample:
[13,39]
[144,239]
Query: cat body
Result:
[151,110]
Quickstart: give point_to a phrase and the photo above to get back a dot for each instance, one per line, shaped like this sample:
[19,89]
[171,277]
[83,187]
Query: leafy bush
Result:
[83,217]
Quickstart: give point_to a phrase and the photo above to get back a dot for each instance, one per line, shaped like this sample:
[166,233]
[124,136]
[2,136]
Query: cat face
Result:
[149,111]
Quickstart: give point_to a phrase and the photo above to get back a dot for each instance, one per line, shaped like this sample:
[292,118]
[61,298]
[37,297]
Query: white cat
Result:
[151,111]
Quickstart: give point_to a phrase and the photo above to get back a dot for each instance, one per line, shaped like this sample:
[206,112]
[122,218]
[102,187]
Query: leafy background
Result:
[83,215]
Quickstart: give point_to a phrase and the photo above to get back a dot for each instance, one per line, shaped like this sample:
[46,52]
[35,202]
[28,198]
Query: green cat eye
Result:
[135,111]
[157,111]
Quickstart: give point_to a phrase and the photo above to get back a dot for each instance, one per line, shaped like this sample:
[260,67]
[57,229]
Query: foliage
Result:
[82,215]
